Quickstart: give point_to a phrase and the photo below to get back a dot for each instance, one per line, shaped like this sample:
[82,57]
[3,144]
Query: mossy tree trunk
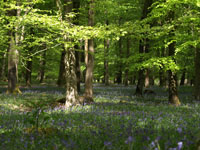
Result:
[41,72]
[13,58]
[70,62]
[13,54]
[172,78]
[173,93]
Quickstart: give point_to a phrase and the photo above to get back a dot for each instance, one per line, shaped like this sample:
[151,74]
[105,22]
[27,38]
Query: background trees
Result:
[44,34]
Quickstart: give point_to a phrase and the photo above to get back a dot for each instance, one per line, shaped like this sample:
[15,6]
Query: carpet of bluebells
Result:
[116,121]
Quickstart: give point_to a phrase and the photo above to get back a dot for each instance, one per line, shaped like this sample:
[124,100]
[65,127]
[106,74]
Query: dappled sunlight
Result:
[124,120]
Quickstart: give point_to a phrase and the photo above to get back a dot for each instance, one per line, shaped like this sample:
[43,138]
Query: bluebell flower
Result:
[107,143]
[180,145]
[129,140]
[179,130]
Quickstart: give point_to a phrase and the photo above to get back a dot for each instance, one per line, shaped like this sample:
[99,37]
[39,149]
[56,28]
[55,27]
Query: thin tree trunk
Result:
[42,67]
[140,83]
[90,56]
[162,79]
[76,6]
[106,69]
[127,56]
[78,70]
[3,68]
[61,77]
[183,77]
[147,78]
[119,73]
[29,64]
[141,76]
[28,72]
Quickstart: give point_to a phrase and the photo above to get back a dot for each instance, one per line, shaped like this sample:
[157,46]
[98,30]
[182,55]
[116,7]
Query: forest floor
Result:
[117,120]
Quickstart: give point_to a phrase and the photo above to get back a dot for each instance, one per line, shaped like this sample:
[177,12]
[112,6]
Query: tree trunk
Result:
[119,62]
[61,77]
[13,58]
[127,56]
[162,78]
[28,72]
[70,63]
[90,55]
[42,67]
[106,71]
[3,68]
[29,64]
[119,73]
[143,48]
[76,6]
[78,70]
[141,76]
[183,77]
[173,93]
[147,78]
[197,73]
[140,83]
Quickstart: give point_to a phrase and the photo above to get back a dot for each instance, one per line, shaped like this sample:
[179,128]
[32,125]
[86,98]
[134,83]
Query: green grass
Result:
[118,120]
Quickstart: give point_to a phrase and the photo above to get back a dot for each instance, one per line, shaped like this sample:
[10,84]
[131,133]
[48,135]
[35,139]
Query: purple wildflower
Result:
[153,144]
[129,140]
[179,130]
[107,143]
[180,145]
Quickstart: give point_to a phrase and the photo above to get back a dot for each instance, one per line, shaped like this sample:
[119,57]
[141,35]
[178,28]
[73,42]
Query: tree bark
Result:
[76,7]
[42,66]
[3,67]
[13,57]
[183,77]
[28,72]
[78,70]
[141,76]
[143,48]
[90,56]
[119,73]
[106,68]
[127,56]
[173,93]
[70,63]
[147,78]
[61,77]
[29,64]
